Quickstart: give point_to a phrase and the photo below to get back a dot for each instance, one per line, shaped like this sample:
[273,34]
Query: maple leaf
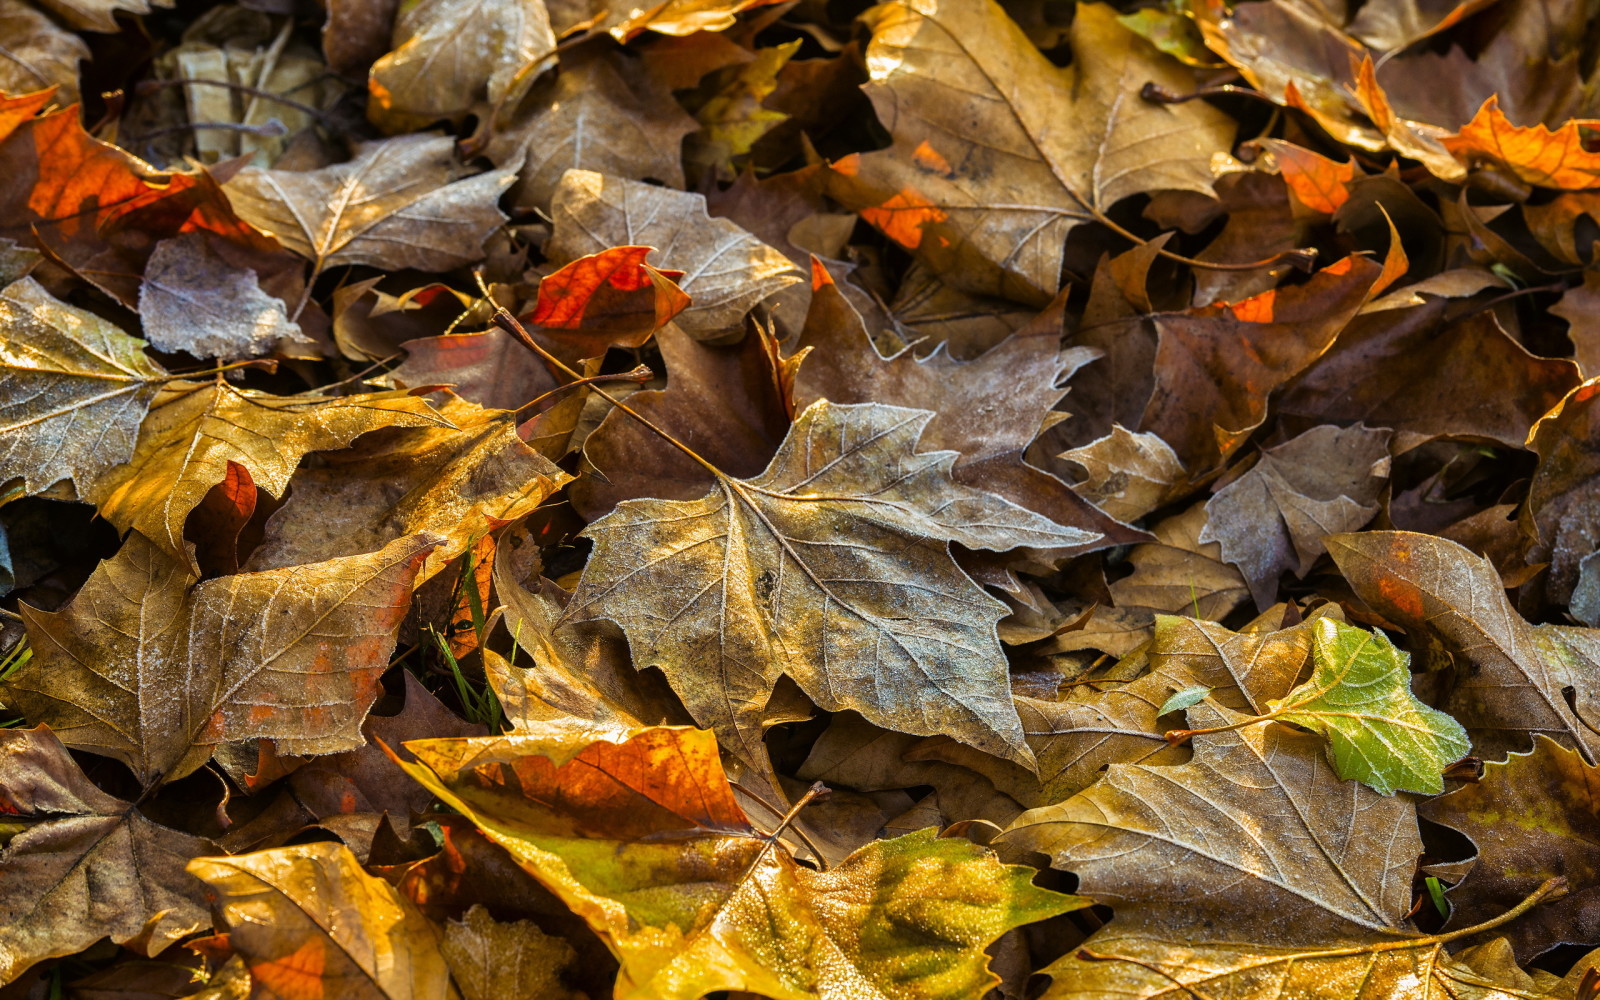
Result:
[1560,516]
[1274,517]
[998,154]
[82,864]
[62,371]
[309,922]
[1537,155]
[1531,817]
[150,667]
[831,567]
[457,482]
[195,429]
[738,912]
[400,202]
[453,58]
[608,299]
[193,300]
[726,270]
[43,55]
[1518,674]
[491,368]
[491,960]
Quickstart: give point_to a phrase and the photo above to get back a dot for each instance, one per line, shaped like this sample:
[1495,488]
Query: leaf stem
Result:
[640,374]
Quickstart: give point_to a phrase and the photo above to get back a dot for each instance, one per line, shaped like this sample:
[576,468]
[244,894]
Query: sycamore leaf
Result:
[192,300]
[1274,847]
[401,202]
[154,669]
[1274,517]
[73,389]
[1534,154]
[832,567]
[491,368]
[600,113]
[607,299]
[1532,818]
[453,58]
[726,270]
[638,832]
[1516,679]
[491,960]
[310,923]
[1359,697]
[998,154]
[41,54]
[84,864]
[457,482]
[195,429]
[1317,182]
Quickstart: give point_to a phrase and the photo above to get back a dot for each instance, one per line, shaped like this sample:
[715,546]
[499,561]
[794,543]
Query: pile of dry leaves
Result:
[948,499]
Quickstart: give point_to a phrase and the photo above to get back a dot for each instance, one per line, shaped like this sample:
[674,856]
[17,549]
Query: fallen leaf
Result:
[64,371]
[1579,306]
[402,202]
[41,55]
[491,960]
[1561,517]
[601,113]
[457,482]
[738,912]
[489,368]
[1317,182]
[195,429]
[608,299]
[1274,517]
[453,58]
[684,17]
[1035,155]
[309,922]
[732,115]
[1128,475]
[1511,682]
[97,15]
[1531,818]
[194,301]
[80,865]
[149,667]
[726,270]
[1537,155]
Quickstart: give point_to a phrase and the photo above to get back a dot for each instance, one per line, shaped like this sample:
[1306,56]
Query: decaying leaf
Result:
[40,53]
[309,922]
[194,301]
[80,864]
[490,960]
[638,831]
[1562,514]
[154,669]
[831,567]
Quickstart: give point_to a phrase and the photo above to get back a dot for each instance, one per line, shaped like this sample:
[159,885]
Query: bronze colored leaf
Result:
[998,154]
[402,202]
[638,831]
[453,58]
[1514,678]
[457,482]
[195,429]
[1562,515]
[490,960]
[194,301]
[154,669]
[832,567]
[41,54]
[310,923]
[73,389]
[489,368]
[1532,818]
[1274,517]
[79,864]
[726,270]
[601,113]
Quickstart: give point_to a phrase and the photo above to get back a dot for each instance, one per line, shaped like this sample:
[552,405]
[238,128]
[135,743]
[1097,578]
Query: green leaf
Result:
[1187,698]
[1359,697]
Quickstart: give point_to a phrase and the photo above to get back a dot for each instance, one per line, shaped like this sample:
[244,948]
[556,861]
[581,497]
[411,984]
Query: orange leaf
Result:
[1316,181]
[902,217]
[1534,154]
[608,298]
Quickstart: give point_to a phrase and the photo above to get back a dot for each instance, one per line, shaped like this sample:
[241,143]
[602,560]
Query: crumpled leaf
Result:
[1532,817]
[195,429]
[457,482]
[1562,515]
[453,58]
[608,299]
[756,580]
[154,669]
[97,15]
[84,865]
[41,54]
[1535,154]
[726,270]
[1359,697]
[998,154]
[73,389]
[192,300]
[491,960]
[1274,517]
[401,202]
[602,114]
[1129,475]
[309,922]
[1513,676]
[638,831]
[489,368]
